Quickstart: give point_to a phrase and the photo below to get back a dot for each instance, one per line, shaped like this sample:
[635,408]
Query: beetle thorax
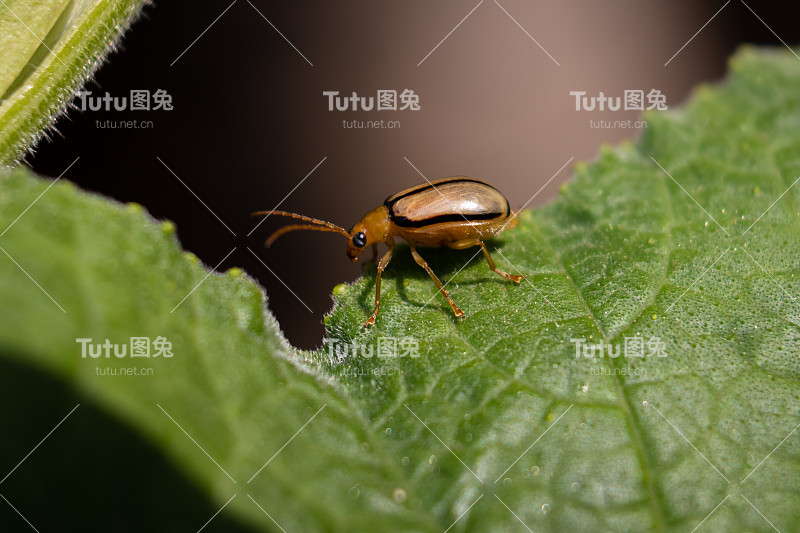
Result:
[376,225]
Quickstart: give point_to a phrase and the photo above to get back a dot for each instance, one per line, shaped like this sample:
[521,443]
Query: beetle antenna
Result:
[292,227]
[305,218]
[321,225]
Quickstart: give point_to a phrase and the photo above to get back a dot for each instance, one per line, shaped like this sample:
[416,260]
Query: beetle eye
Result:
[359,239]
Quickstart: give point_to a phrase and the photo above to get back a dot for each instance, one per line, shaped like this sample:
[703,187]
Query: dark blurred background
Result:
[250,120]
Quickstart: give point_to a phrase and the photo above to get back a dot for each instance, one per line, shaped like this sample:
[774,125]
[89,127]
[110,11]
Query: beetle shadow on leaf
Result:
[445,263]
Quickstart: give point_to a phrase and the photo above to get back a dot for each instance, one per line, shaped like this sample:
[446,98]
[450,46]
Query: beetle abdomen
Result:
[447,200]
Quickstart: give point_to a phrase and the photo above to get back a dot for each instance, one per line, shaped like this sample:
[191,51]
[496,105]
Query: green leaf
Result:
[49,50]
[529,432]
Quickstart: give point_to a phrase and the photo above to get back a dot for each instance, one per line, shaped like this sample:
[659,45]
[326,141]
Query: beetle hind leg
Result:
[421,262]
[513,277]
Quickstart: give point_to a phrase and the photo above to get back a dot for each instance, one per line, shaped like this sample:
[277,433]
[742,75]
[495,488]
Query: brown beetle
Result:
[457,212]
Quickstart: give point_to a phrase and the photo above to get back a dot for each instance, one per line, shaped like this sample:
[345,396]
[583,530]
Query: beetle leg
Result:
[512,277]
[381,266]
[421,262]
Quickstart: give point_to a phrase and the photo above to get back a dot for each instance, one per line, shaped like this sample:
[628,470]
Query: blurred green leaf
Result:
[529,432]
[49,50]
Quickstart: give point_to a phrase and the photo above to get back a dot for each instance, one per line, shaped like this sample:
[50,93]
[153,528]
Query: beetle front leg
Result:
[381,266]
[512,277]
[421,262]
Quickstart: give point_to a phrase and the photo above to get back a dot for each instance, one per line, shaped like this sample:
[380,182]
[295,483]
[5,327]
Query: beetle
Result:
[458,212]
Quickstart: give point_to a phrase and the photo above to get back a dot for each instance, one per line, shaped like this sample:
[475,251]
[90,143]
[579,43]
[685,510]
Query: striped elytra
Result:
[454,199]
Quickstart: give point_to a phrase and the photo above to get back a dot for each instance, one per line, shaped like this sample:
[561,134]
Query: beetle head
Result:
[357,241]
[371,229]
